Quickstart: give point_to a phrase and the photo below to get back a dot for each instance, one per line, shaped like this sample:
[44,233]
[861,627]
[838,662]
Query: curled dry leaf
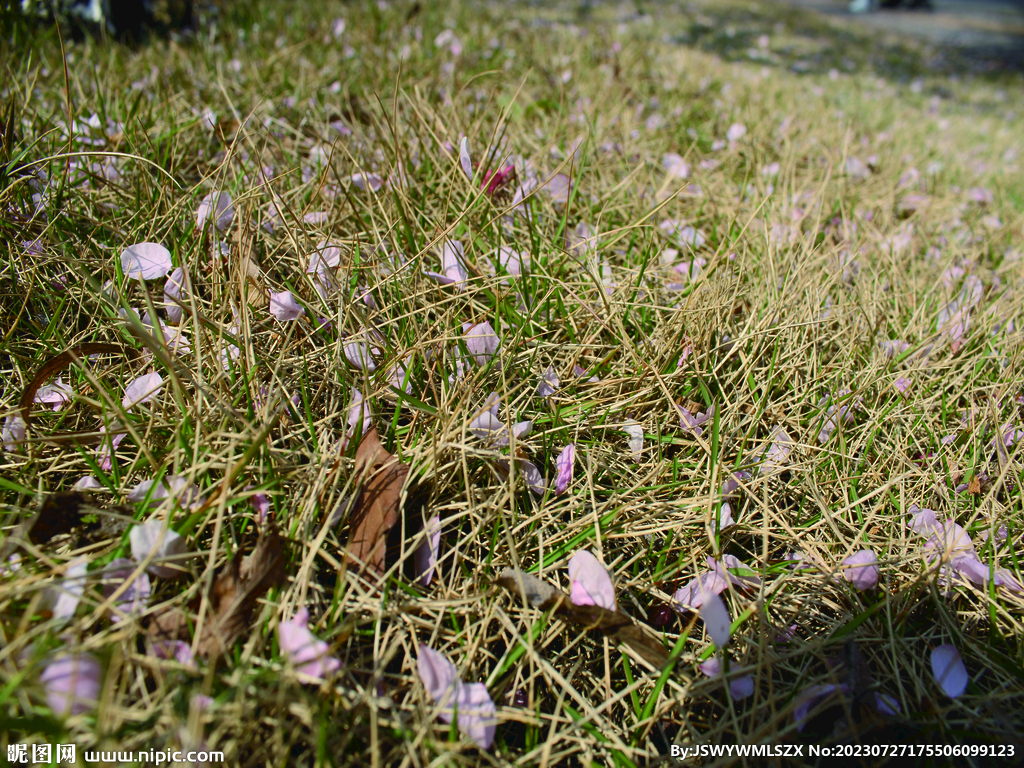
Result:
[376,507]
[617,626]
[232,597]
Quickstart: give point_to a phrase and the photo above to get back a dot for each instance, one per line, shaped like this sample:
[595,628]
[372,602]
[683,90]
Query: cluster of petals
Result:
[719,577]
[690,423]
[468,702]
[951,545]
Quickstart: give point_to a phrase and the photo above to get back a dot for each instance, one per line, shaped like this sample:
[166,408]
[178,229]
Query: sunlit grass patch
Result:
[774,315]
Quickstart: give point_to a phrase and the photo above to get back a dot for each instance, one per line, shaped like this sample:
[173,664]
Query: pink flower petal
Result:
[861,570]
[476,711]
[481,341]
[174,294]
[64,596]
[736,132]
[14,432]
[949,671]
[217,206]
[591,582]
[142,390]
[72,683]
[676,167]
[155,538]
[635,441]
[464,161]
[146,261]
[691,597]
[564,464]
[425,556]
[741,687]
[361,356]
[56,394]
[716,619]
[134,599]
[548,384]
[284,307]
[365,181]
[302,649]
[812,697]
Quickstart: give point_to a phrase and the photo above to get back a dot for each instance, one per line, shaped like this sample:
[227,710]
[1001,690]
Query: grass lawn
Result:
[407,384]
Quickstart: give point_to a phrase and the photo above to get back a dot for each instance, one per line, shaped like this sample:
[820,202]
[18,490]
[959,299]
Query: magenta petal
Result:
[861,570]
[72,683]
[712,667]
[949,670]
[361,356]
[564,464]
[425,556]
[590,581]
[146,261]
[548,384]
[477,713]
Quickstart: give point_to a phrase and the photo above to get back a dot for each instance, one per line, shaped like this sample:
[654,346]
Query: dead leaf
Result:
[232,598]
[974,487]
[376,507]
[62,513]
[613,624]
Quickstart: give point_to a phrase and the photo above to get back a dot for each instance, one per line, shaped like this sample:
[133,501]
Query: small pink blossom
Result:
[464,160]
[174,294]
[736,132]
[549,383]
[481,341]
[156,539]
[675,166]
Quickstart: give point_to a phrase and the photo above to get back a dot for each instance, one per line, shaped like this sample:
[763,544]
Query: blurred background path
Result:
[992,30]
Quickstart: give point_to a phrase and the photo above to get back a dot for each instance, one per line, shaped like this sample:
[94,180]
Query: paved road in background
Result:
[991,29]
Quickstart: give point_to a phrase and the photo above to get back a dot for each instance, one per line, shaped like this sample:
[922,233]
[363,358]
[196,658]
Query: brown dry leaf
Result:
[232,597]
[615,625]
[974,487]
[376,507]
